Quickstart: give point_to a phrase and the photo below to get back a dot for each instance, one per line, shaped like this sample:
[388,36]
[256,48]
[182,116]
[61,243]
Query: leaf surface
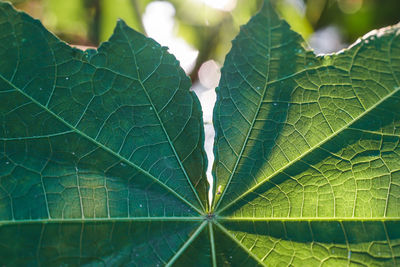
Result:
[100,151]
[102,159]
[307,147]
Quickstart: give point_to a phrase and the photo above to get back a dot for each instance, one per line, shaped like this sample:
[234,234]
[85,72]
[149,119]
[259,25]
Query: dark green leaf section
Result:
[102,243]
[112,132]
[320,243]
[101,152]
[230,252]
[198,253]
[67,176]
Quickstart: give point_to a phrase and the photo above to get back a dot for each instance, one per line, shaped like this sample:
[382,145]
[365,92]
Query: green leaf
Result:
[102,159]
[307,148]
[101,152]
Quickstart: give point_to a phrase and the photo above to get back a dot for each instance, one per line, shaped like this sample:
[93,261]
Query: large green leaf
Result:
[100,151]
[307,148]
[102,160]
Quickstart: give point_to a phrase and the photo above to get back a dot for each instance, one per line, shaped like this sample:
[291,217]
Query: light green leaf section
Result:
[307,148]
[278,104]
[319,243]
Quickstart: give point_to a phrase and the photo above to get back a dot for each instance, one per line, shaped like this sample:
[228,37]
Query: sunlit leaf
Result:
[102,160]
[307,148]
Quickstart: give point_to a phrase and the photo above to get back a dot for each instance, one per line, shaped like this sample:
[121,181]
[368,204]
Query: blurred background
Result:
[198,32]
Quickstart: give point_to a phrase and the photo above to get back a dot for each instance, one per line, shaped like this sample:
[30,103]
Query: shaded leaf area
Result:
[216,246]
[198,253]
[101,152]
[230,252]
[79,130]
[316,243]
[103,243]
[67,176]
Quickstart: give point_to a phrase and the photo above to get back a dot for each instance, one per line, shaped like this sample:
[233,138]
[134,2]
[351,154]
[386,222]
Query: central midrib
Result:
[307,219]
[103,219]
[198,219]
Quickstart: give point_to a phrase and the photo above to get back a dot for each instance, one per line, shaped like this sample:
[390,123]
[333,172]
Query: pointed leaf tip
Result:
[267,7]
[121,22]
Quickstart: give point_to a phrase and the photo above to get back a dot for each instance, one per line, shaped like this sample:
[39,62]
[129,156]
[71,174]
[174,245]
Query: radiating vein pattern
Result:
[102,160]
[279,106]
[107,133]
[101,152]
[308,148]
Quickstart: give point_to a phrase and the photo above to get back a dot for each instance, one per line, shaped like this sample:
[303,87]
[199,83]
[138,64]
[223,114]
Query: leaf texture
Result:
[307,147]
[102,160]
[100,151]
